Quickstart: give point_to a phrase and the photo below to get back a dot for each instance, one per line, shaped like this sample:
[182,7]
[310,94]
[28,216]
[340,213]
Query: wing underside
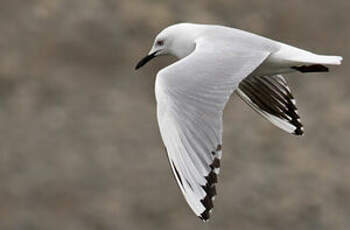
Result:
[271,97]
[191,95]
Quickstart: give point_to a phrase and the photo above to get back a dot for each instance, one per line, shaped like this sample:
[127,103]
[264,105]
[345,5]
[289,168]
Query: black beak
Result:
[145,60]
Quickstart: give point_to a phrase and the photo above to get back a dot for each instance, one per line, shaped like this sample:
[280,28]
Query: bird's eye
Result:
[160,43]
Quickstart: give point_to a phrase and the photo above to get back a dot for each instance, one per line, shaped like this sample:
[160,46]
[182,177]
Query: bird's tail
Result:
[316,63]
[324,59]
[311,58]
[305,61]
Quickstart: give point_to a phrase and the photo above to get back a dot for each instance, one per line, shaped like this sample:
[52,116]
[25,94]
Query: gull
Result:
[213,63]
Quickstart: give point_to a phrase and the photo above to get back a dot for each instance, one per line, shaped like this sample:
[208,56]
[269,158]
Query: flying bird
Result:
[214,62]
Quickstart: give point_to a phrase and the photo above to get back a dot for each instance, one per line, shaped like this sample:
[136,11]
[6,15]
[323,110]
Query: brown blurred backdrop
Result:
[79,143]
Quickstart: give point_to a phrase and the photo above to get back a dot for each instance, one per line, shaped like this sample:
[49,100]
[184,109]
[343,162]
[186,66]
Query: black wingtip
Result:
[205,216]
[311,68]
[299,131]
[209,187]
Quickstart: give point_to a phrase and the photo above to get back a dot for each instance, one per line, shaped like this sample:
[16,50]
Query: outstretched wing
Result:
[271,97]
[191,95]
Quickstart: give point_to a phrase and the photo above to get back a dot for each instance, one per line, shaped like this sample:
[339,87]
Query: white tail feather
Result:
[321,59]
[292,55]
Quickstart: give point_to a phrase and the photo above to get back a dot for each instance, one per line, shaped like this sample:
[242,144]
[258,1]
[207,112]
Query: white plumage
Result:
[192,93]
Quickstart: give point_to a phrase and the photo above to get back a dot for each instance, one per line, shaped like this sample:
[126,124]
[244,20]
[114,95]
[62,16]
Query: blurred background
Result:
[79,141]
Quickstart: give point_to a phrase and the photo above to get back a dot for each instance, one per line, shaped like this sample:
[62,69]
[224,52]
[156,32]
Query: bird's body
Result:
[191,94]
[282,56]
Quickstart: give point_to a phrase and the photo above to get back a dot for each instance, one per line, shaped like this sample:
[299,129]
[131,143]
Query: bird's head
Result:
[177,40]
